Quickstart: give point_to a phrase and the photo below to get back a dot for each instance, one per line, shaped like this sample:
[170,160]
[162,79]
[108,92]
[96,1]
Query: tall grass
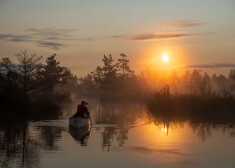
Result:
[204,108]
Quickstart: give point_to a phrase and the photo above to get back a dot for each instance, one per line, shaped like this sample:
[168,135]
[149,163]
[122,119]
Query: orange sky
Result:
[192,33]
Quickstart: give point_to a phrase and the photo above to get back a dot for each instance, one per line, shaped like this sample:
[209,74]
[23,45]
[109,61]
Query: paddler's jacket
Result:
[81,110]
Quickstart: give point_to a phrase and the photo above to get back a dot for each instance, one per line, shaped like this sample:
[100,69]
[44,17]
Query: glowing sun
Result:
[165,58]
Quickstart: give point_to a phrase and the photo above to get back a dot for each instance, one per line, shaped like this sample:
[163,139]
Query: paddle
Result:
[90,120]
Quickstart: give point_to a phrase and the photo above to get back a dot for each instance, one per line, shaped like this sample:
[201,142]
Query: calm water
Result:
[118,138]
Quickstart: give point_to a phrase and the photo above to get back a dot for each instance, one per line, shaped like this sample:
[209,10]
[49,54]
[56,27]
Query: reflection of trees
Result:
[120,114]
[19,146]
[108,137]
[122,136]
[203,128]
[117,113]
[203,111]
[49,136]
[15,143]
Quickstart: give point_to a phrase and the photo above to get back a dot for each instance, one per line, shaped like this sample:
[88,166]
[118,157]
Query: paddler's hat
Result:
[84,103]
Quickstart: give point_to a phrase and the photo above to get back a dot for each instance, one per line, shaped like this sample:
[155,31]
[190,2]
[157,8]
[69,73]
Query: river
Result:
[119,137]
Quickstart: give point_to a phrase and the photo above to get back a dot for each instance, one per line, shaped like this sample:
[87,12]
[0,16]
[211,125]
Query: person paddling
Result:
[82,111]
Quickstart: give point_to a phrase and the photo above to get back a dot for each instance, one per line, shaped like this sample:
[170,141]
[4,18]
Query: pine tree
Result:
[124,67]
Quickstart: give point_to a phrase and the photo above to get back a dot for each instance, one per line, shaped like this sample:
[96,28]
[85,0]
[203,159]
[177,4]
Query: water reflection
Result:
[165,127]
[107,139]
[204,130]
[48,136]
[81,135]
[202,123]
[121,115]
[23,144]
[16,144]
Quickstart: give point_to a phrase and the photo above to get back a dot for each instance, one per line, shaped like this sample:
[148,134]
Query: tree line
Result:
[194,96]
[29,85]
[115,79]
[193,82]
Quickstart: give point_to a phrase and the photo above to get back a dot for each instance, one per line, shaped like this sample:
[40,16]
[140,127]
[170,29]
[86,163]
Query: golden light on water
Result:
[164,128]
[161,134]
[165,58]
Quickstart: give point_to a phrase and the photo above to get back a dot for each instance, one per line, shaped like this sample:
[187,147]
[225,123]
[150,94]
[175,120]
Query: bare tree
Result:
[28,68]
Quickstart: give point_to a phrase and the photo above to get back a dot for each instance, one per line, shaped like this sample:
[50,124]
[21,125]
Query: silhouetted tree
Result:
[123,66]
[51,74]
[231,78]
[98,76]
[206,85]
[27,70]
[220,85]
[109,71]
[68,77]
[86,84]
[8,77]
[195,82]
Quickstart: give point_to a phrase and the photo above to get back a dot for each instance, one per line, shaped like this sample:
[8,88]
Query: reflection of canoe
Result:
[80,134]
[79,122]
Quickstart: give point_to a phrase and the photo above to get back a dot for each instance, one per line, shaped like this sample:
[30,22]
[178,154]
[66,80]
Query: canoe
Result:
[79,122]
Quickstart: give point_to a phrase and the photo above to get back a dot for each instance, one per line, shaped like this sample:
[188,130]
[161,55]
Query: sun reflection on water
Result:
[165,128]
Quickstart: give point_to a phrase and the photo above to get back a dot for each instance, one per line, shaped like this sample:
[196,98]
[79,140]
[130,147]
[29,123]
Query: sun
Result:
[165,58]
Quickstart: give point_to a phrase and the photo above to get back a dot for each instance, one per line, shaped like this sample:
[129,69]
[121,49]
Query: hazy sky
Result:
[194,33]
